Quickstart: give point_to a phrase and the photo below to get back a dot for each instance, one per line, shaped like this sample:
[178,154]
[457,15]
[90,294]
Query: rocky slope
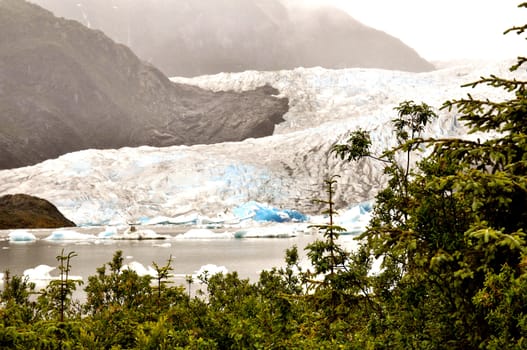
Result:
[195,37]
[24,211]
[64,87]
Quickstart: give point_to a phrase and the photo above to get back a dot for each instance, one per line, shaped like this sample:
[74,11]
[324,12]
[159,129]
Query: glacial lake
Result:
[247,256]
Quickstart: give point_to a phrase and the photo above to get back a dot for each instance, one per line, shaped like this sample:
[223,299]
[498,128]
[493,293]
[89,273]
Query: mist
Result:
[196,37]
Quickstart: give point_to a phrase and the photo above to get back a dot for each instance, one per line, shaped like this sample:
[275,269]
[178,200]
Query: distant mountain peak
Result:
[196,37]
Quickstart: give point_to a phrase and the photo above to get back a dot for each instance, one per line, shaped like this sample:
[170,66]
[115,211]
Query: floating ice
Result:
[108,232]
[21,236]
[200,233]
[165,220]
[140,269]
[260,212]
[273,231]
[69,235]
[208,270]
[133,233]
[39,273]
[162,245]
[220,220]
[356,218]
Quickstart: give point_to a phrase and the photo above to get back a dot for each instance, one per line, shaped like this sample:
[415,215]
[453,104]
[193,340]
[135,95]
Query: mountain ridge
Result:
[190,37]
[66,87]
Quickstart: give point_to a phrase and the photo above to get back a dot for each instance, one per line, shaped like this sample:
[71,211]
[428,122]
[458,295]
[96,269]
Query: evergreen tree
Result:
[451,233]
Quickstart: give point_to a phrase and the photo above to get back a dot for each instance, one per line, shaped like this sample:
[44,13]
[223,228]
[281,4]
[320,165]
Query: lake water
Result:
[247,256]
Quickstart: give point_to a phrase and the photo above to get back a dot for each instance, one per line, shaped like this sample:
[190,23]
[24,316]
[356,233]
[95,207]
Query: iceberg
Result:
[189,219]
[140,269]
[356,218]
[204,234]
[133,233]
[21,236]
[69,235]
[221,220]
[262,213]
[208,270]
[271,231]
[162,245]
[41,275]
[108,232]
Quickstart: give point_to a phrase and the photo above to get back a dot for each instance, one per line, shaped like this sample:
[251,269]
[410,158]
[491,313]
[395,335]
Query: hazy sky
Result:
[446,29]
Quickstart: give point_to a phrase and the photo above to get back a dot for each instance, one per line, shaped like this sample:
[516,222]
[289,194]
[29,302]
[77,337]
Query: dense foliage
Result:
[448,233]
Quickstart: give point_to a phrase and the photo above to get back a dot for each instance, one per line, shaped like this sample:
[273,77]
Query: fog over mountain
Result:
[195,37]
[64,87]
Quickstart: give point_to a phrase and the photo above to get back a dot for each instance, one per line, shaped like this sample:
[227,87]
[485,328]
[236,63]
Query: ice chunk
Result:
[41,276]
[140,269]
[69,235]
[356,218]
[162,245]
[204,234]
[132,233]
[165,220]
[109,232]
[260,212]
[39,273]
[273,231]
[221,219]
[208,270]
[21,236]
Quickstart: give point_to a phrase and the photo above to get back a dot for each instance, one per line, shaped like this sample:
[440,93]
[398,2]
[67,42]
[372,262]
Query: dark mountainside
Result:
[24,211]
[193,37]
[64,87]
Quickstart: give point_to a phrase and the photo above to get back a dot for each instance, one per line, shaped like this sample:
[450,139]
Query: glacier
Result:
[284,171]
